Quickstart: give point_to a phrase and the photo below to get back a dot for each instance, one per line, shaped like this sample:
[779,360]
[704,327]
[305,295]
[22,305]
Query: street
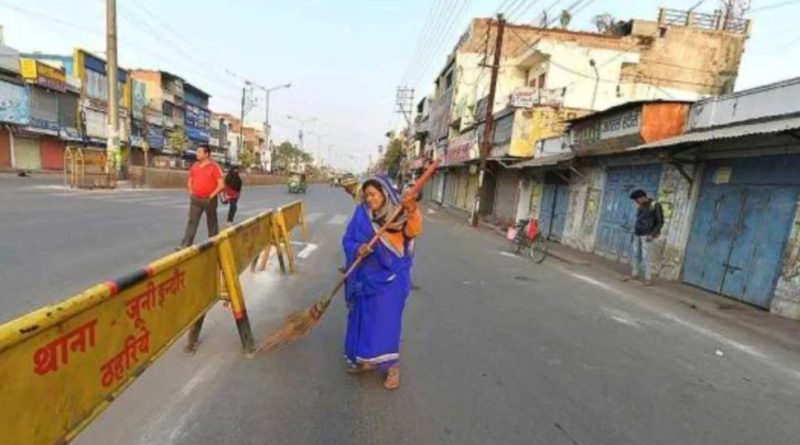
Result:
[495,348]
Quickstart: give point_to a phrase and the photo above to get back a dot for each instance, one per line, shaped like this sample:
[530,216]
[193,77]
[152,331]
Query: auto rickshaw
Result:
[297,183]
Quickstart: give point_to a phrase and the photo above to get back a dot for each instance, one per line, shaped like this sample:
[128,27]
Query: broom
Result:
[299,323]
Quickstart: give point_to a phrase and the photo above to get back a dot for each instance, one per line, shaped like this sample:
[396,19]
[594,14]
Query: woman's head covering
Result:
[391,200]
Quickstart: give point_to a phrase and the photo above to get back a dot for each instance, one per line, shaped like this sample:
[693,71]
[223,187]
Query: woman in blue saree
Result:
[377,290]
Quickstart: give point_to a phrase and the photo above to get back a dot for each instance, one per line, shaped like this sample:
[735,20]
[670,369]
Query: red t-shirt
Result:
[204,178]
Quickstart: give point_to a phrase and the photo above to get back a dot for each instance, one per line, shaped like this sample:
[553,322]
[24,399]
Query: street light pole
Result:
[267,127]
[303,123]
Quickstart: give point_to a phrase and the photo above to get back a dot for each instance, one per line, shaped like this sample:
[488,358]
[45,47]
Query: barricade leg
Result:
[287,241]
[276,241]
[234,287]
[304,225]
[194,335]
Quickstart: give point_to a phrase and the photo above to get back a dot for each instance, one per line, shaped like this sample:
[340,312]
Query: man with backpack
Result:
[649,220]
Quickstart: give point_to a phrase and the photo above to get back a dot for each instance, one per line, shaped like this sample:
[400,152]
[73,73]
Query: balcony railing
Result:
[717,21]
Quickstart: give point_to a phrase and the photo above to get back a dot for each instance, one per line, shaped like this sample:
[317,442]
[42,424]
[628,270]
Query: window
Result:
[541,80]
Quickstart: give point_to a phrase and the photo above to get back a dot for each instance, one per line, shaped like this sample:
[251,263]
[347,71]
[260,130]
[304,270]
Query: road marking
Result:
[311,217]
[715,336]
[338,220]
[307,250]
[508,254]
[621,317]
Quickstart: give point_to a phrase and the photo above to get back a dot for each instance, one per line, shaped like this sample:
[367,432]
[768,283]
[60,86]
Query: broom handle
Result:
[393,216]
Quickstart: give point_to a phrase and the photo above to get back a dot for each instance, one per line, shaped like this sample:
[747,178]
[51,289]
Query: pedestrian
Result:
[377,290]
[649,220]
[232,191]
[205,183]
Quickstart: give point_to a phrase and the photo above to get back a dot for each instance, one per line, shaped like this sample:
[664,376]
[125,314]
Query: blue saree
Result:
[377,290]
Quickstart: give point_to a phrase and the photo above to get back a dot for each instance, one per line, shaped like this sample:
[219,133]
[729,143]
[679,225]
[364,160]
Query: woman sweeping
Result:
[377,290]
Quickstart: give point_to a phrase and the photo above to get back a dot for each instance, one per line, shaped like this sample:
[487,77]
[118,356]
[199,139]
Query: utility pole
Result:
[405,106]
[112,140]
[488,130]
[241,127]
[267,126]
[303,123]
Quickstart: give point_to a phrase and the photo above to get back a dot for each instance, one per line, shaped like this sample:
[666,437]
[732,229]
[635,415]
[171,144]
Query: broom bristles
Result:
[298,324]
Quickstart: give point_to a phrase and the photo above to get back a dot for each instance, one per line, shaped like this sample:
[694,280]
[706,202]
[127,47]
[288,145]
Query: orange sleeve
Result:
[414,224]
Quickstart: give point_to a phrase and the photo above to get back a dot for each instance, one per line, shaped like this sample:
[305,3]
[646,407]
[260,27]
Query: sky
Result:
[344,58]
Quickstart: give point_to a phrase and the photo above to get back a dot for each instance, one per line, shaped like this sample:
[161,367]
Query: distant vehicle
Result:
[297,183]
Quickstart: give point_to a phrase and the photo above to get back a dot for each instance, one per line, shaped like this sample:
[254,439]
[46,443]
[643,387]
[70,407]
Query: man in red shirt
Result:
[205,182]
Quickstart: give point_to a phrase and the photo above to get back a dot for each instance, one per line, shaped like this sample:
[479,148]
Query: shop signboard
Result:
[43,74]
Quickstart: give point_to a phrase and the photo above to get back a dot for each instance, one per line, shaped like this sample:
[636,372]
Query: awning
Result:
[542,161]
[734,131]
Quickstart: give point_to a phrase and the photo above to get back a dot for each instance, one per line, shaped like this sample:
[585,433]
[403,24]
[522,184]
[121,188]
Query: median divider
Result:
[62,365]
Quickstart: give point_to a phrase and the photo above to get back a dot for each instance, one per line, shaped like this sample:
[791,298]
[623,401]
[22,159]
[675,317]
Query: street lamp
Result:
[303,123]
[266,110]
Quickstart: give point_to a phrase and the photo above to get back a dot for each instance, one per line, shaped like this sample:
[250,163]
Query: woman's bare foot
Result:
[392,380]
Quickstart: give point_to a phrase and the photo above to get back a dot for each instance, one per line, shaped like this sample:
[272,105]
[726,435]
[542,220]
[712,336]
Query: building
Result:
[14,104]
[61,118]
[724,170]
[549,76]
[165,92]
[197,116]
[230,127]
[218,138]
[147,123]
[53,117]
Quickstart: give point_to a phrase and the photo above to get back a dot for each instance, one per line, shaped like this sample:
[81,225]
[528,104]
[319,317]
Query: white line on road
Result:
[307,250]
[338,220]
[715,336]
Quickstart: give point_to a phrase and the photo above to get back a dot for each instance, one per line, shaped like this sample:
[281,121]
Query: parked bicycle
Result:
[527,240]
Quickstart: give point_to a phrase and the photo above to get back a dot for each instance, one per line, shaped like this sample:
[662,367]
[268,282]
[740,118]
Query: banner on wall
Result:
[15,104]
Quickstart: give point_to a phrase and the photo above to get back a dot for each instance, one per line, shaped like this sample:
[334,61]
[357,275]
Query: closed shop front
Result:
[52,152]
[438,187]
[741,226]
[26,153]
[450,187]
[618,215]
[5,148]
[505,196]
[472,189]
[554,205]
[461,189]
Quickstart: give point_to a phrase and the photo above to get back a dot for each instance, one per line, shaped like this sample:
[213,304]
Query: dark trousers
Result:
[232,206]
[198,206]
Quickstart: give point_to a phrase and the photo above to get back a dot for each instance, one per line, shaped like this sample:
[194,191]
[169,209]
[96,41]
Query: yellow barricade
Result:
[62,365]
[286,218]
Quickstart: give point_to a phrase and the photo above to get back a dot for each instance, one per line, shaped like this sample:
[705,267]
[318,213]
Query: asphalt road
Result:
[496,350]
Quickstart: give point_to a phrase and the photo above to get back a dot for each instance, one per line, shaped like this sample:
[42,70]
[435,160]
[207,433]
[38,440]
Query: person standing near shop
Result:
[205,183]
[649,220]
[232,191]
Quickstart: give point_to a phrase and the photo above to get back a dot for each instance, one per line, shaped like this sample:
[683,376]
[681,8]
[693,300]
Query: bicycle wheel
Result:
[538,250]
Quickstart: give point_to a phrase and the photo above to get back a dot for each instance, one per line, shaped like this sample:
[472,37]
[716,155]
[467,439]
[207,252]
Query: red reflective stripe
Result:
[150,270]
[238,314]
[112,286]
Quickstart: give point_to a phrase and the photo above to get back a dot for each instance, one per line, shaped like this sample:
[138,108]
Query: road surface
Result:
[496,350]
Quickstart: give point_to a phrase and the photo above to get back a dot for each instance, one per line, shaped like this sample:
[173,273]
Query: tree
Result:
[177,141]
[392,158]
[566,17]
[607,24]
[286,153]
[246,157]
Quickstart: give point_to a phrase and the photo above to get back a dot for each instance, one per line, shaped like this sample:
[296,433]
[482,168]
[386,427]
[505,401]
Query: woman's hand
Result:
[364,250]
[409,203]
